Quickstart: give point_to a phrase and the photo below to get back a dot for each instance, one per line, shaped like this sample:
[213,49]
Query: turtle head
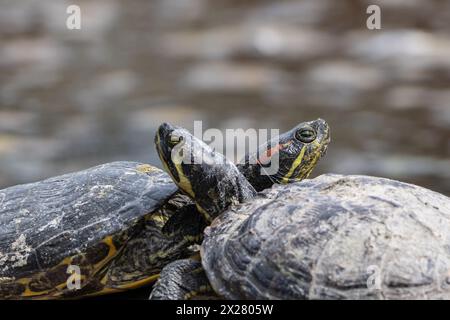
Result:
[289,157]
[206,176]
[300,149]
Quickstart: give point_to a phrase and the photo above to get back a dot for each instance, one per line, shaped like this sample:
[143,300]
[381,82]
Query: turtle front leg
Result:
[182,279]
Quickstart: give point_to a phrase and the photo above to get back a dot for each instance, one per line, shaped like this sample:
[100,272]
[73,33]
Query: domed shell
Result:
[89,213]
[333,237]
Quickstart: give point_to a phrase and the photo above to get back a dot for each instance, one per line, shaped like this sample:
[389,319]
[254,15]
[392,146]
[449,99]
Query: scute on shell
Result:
[333,237]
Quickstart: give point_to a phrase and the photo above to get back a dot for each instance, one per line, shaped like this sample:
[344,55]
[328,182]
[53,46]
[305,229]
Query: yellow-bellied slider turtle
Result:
[118,223]
[214,183]
[332,237]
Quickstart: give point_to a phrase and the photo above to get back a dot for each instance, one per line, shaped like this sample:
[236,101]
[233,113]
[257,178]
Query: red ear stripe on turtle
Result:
[266,156]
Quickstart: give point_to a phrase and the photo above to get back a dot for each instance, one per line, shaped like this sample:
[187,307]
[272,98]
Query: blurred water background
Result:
[70,99]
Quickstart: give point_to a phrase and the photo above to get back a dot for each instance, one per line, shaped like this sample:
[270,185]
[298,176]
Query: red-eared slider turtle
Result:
[332,237]
[215,183]
[115,226]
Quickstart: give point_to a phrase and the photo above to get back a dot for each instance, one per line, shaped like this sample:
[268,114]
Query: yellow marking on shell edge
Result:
[146,168]
[294,166]
[111,254]
[28,293]
[57,290]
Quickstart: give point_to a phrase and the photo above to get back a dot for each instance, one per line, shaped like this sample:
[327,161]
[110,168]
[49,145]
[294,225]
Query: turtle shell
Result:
[333,237]
[81,218]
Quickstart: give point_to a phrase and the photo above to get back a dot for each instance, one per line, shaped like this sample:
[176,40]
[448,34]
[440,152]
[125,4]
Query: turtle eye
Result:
[305,135]
[175,139]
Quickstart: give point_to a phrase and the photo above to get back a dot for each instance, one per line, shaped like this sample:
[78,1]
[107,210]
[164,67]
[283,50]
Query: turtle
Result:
[112,227]
[215,183]
[331,237]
